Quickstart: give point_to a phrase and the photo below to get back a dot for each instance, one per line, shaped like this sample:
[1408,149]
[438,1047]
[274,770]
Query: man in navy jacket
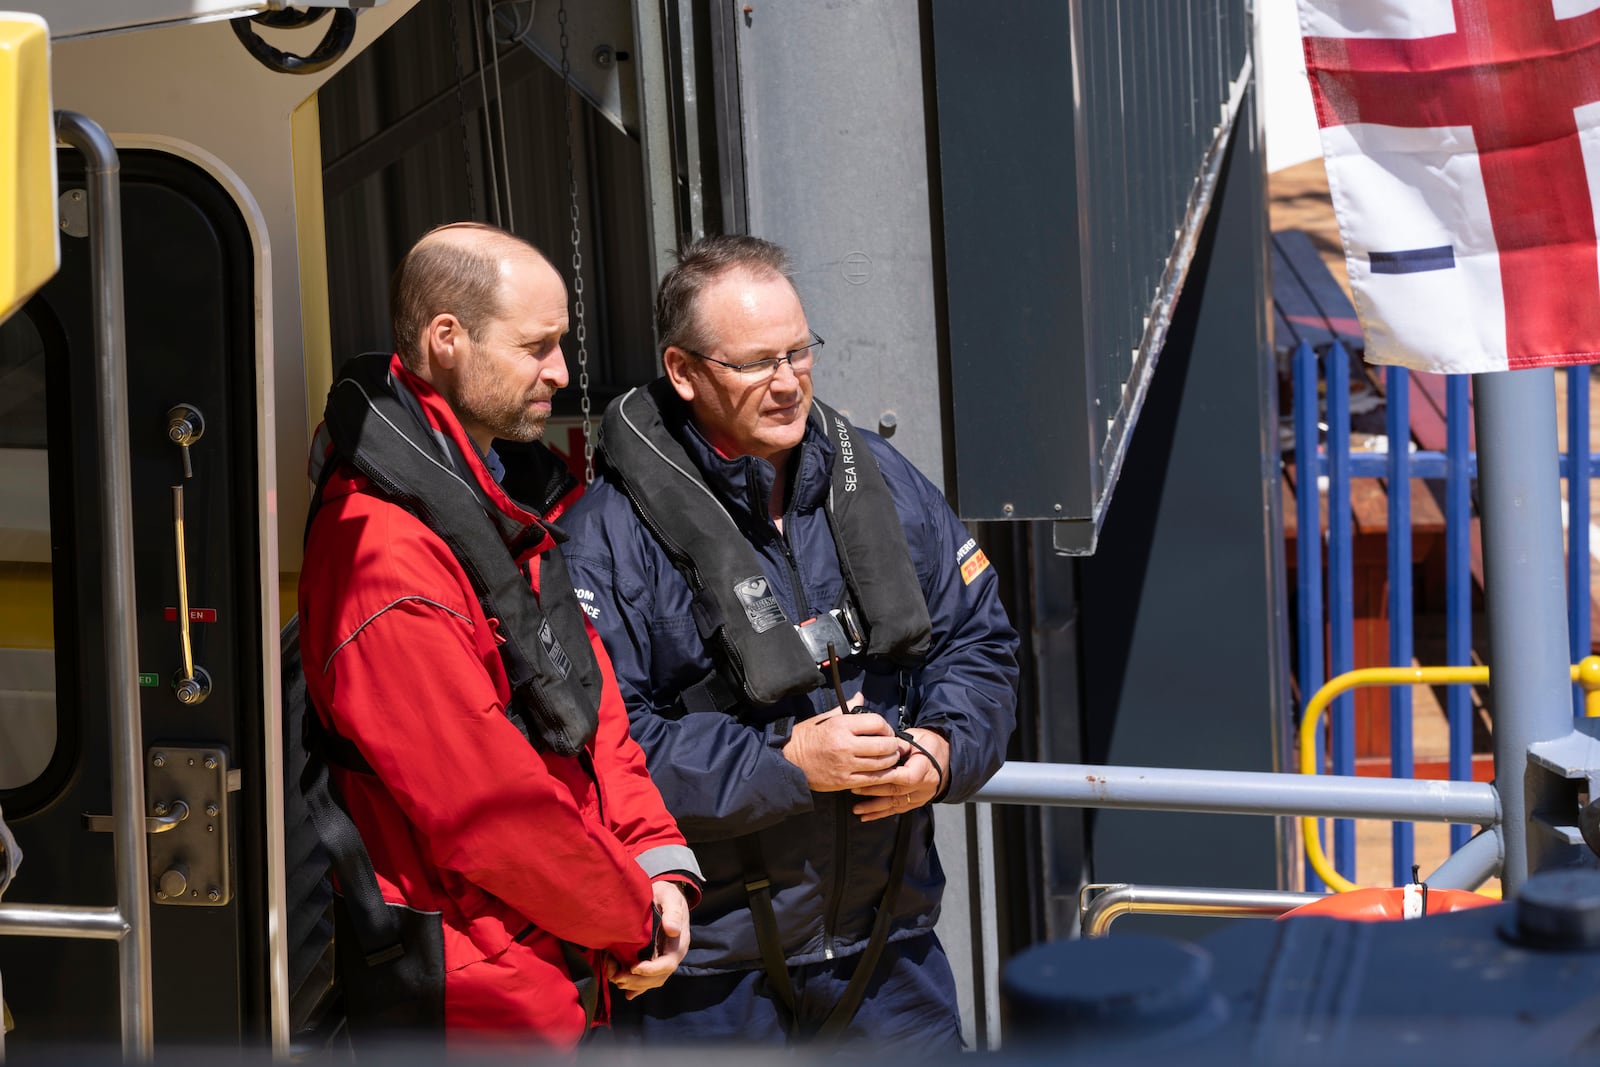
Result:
[808,820]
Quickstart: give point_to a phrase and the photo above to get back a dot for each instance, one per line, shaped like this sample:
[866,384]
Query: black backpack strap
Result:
[376,929]
[768,939]
[583,976]
[332,748]
[850,1000]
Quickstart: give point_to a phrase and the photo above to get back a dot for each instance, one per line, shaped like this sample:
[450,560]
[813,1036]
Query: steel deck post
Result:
[1458,581]
[1578,520]
[1341,593]
[1525,592]
[1401,764]
[1308,540]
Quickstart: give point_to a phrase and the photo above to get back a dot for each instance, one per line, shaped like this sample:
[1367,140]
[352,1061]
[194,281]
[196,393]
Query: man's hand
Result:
[674,929]
[838,751]
[908,786]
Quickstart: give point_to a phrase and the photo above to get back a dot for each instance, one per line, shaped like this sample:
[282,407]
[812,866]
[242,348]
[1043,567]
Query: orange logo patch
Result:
[974,565]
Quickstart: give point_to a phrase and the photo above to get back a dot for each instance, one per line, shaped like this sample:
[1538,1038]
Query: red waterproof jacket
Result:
[517,849]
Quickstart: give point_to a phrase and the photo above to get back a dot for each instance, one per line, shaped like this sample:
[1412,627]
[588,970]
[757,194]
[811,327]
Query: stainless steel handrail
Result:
[62,920]
[129,922]
[1085,785]
[1121,899]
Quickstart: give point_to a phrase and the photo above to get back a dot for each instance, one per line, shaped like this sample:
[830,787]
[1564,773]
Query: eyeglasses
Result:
[800,359]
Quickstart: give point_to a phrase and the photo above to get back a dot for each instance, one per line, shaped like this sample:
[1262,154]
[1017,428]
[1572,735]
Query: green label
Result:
[149,681]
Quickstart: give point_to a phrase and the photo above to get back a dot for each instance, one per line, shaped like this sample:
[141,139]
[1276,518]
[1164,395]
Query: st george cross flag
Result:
[1463,147]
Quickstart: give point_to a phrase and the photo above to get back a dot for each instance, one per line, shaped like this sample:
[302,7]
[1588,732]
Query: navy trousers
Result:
[910,1005]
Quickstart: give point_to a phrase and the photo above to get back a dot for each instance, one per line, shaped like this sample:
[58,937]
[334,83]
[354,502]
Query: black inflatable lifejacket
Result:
[761,655]
[388,958]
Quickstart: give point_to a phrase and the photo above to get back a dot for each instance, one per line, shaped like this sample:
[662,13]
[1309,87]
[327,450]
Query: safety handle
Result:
[193,684]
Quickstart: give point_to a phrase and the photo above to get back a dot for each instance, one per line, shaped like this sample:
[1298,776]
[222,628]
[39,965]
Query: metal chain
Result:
[461,105]
[500,115]
[581,332]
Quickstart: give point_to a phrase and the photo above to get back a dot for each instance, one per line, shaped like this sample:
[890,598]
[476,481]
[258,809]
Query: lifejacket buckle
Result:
[835,628]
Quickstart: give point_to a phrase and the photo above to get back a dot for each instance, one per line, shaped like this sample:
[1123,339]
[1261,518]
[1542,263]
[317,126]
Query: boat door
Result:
[195,416]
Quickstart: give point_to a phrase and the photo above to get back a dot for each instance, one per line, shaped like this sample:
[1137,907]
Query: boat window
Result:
[27,631]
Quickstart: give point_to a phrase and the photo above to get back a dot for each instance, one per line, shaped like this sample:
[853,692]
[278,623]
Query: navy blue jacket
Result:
[723,775]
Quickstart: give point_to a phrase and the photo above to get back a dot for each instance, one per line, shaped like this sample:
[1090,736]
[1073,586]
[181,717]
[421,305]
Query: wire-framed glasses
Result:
[800,359]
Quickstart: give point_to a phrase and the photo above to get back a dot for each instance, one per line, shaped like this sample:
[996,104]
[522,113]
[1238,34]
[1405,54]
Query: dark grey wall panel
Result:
[1078,145]
[1184,656]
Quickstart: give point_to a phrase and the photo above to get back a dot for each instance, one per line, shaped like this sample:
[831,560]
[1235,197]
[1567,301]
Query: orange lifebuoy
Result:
[1381,905]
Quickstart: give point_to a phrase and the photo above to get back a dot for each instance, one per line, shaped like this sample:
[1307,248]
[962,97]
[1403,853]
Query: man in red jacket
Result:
[537,854]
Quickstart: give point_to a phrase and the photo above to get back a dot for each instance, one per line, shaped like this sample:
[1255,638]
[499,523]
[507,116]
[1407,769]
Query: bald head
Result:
[455,269]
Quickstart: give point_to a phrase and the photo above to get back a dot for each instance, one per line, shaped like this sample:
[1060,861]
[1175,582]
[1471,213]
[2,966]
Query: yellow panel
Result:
[316,328]
[288,596]
[30,248]
[27,606]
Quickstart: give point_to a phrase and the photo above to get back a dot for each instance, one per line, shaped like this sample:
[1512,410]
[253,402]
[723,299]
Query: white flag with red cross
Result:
[1463,148]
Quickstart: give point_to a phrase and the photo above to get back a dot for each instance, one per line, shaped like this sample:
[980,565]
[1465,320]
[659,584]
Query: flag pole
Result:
[1525,601]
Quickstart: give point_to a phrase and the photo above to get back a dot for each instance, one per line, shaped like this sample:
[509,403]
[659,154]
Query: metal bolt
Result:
[211,809]
[158,760]
[194,893]
[210,828]
[1107,988]
[161,807]
[213,893]
[604,56]
[211,763]
[1058,508]
[191,762]
[1007,508]
[887,423]
[1560,909]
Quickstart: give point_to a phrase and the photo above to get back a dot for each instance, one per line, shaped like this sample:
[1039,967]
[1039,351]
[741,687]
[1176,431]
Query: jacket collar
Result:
[521,528]
[744,483]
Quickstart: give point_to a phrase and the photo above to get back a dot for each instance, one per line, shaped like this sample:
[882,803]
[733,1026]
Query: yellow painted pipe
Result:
[1586,673]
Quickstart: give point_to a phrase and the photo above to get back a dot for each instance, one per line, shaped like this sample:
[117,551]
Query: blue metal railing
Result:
[1457,467]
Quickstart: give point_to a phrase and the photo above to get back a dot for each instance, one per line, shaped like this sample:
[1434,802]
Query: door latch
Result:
[186,790]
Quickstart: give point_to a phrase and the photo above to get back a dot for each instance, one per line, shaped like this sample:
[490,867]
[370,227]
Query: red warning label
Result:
[195,614]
